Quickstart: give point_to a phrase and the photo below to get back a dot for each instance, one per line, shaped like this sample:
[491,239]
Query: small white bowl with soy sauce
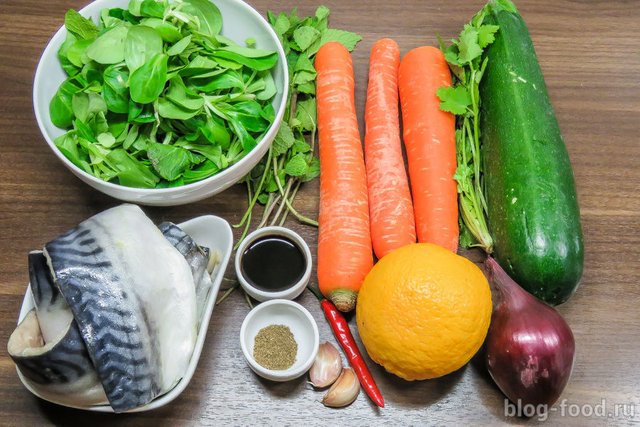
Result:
[273,263]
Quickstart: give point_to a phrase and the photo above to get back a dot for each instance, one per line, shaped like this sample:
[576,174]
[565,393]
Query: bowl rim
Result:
[270,134]
[292,291]
[286,374]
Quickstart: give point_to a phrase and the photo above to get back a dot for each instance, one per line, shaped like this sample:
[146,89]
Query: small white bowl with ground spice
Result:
[279,339]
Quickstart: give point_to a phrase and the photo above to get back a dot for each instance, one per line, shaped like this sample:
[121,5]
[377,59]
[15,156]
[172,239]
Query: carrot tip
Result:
[344,299]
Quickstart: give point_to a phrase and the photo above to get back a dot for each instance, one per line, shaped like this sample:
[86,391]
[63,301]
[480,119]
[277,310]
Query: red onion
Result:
[530,347]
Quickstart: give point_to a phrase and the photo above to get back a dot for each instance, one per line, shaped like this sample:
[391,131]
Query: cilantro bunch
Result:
[467,63]
[291,160]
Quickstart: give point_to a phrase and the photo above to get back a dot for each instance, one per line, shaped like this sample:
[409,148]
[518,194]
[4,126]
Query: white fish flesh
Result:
[133,297]
[197,257]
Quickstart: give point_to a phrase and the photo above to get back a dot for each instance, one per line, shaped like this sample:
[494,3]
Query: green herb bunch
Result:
[467,63]
[156,97]
[291,160]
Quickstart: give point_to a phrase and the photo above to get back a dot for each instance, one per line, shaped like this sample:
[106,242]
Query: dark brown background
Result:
[590,54]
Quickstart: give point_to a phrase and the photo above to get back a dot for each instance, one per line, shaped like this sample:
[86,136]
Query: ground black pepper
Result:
[275,347]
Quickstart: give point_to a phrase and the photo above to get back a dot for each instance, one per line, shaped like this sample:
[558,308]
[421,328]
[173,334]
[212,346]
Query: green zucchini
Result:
[532,206]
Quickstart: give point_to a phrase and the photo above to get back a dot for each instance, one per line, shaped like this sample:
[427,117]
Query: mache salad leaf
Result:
[156,97]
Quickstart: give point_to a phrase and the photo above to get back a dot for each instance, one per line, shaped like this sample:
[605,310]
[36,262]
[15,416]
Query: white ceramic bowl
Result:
[209,231]
[301,324]
[240,21]
[294,290]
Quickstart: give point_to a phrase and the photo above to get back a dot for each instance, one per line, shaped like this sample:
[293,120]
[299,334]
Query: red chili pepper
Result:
[342,332]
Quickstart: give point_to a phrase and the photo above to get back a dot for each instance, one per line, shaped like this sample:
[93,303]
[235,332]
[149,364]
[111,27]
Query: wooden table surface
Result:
[589,52]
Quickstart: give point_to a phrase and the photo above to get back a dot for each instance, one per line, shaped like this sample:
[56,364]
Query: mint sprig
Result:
[292,160]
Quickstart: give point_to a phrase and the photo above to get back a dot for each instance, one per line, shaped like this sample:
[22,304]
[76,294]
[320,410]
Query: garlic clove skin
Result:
[327,366]
[344,391]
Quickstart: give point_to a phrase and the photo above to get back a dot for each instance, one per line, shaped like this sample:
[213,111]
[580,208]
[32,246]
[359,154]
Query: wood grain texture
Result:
[588,51]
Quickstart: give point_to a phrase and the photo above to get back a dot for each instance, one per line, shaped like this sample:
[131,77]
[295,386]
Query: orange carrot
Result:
[344,242]
[390,207]
[430,141]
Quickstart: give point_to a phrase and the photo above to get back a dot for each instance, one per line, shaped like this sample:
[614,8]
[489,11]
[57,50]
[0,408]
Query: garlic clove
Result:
[344,391]
[327,366]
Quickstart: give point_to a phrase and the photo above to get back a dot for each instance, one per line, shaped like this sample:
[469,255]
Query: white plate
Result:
[208,231]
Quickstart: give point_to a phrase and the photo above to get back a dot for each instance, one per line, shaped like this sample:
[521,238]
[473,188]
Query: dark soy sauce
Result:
[273,263]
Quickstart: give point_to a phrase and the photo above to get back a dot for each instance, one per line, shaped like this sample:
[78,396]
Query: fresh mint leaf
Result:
[313,170]
[296,166]
[79,26]
[293,159]
[284,140]
[307,88]
[304,64]
[271,17]
[347,38]
[281,25]
[454,100]
[300,146]
[322,13]
[305,36]
[302,77]
[306,114]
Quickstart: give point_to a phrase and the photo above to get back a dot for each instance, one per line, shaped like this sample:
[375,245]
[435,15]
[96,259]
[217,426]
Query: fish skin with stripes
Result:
[48,347]
[132,295]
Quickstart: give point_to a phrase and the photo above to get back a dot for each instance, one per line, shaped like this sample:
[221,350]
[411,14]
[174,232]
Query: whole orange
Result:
[423,311]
